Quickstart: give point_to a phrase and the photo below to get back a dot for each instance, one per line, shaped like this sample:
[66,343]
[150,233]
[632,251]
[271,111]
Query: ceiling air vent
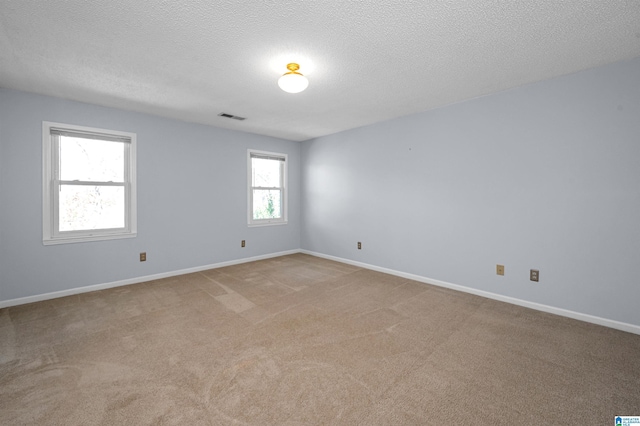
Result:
[235,117]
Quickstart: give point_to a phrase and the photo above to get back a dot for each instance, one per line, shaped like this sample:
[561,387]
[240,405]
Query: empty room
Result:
[320,212]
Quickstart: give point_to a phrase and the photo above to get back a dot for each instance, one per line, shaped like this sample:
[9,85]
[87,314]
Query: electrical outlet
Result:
[143,256]
[359,245]
[242,243]
[534,275]
[500,269]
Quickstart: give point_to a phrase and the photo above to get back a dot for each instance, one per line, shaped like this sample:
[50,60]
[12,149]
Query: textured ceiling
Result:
[366,61]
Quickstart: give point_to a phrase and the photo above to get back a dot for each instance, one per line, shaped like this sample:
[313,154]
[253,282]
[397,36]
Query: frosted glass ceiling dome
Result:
[293,81]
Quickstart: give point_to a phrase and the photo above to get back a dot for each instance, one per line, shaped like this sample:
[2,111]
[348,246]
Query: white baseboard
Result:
[79,290]
[630,328]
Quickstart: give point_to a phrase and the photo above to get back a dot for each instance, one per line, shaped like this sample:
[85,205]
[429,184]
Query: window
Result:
[267,188]
[89,184]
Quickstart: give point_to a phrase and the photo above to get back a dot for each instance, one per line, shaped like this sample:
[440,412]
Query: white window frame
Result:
[51,183]
[283,188]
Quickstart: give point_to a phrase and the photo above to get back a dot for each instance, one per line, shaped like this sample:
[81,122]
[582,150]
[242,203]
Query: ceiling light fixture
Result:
[293,81]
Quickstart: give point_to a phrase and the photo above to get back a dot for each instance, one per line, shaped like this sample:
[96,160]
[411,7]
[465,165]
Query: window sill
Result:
[85,238]
[253,225]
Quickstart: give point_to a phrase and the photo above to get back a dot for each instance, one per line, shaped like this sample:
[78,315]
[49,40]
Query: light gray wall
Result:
[192,199]
[545,176]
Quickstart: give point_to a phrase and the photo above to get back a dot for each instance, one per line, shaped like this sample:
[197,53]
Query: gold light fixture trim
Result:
[293,81]
[293,67]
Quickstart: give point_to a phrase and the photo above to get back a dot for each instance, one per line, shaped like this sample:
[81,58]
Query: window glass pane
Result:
[265,173]
[91,160]
[91,207]
[266,204]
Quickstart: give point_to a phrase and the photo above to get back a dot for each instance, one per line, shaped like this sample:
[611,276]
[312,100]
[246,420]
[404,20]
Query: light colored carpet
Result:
[299,340]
